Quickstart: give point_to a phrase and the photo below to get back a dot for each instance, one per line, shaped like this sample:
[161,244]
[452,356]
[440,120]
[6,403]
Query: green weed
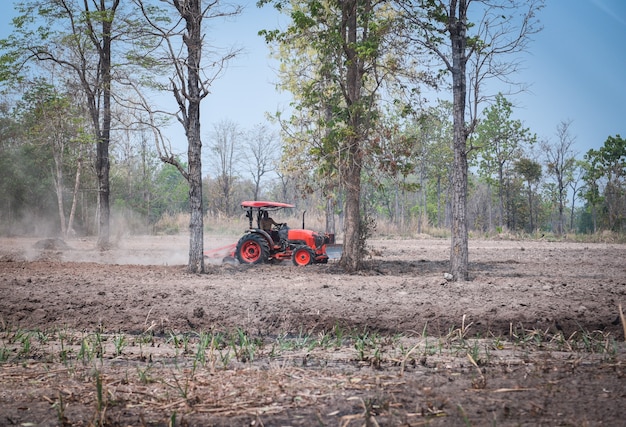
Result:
[4,354]
[119,341]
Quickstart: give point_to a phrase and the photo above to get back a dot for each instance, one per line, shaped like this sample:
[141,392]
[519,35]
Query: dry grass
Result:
[219,224]
[236,376]
[216,225]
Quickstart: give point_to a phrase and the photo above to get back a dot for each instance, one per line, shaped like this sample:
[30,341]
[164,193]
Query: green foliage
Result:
[605,179]
[43,140]
[530,172]
[528,169]
[25,182]
[172,191]
[410,166]
[499,141]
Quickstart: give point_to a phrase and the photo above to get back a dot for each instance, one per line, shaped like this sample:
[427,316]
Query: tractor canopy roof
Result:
[265,205]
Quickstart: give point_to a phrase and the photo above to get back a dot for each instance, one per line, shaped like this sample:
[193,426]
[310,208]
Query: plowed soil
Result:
[116,337]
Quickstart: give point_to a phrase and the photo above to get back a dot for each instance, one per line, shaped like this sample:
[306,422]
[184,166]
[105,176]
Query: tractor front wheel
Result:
[303,255]
[252,249]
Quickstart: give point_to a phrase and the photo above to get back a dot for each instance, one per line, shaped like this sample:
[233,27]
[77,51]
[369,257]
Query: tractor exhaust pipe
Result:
[303,220]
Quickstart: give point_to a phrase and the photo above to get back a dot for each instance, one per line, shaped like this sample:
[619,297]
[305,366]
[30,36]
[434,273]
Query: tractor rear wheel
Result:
[252,249]
[303,255]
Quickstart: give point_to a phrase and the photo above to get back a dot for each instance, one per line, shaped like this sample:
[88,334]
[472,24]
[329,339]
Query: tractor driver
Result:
[267,222]
[266,225]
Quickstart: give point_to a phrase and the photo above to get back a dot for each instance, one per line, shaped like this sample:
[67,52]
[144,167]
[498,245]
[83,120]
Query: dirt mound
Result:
[54,244]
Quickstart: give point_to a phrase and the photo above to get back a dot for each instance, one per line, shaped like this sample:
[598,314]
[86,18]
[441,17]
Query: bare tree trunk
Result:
[327,191]
[396,201]
[58,185]
[530,206]
[351,256]
[438,201]
[490,207]
[560,224]
[196,222]
[403,211]
[104,138]
[502,214]
[70,222]
[256,189]
[459,253]
[191,11]
[102,169]
[330,214]
[572,210]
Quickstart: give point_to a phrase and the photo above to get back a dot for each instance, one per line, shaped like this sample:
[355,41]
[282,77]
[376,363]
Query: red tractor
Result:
[259,245]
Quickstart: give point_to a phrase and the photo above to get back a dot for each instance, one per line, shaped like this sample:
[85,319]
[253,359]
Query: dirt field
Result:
[128,337]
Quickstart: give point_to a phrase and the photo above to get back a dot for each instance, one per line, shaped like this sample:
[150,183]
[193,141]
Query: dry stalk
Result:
[621,316]
[369,419]
[145,323]
[482,382]
[406,357]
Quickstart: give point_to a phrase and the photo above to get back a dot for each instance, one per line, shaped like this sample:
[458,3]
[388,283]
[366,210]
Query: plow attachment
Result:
[334,250]
[223,253]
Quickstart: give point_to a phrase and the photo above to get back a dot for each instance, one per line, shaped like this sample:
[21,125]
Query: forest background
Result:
[521,182]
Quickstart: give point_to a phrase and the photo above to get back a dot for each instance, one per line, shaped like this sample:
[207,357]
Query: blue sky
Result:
[576,69]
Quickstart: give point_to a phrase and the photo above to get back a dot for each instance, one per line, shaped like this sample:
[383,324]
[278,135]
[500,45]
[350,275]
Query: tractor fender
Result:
[263,233]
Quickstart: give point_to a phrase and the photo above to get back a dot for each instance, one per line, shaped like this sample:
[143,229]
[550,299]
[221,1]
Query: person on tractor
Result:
[279,233]
[267,221]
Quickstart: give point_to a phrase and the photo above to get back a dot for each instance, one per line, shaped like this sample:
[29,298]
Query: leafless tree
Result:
[179,26]
[225,146]
[561,161]
[260,154]
[576,184]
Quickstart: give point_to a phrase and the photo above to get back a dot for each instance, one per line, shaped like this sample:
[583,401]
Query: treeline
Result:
[518,182]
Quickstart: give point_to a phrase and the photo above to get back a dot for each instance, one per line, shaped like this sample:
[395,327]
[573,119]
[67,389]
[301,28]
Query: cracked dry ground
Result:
[535,337]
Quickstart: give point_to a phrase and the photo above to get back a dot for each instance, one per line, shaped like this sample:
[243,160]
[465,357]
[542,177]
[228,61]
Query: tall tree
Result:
[606,180]
[188,100]
[78,36]
[576,184]
[53,123]
[344,43]
[561,160]
[473,51]
[189,82]
[499,141]
[531,172]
